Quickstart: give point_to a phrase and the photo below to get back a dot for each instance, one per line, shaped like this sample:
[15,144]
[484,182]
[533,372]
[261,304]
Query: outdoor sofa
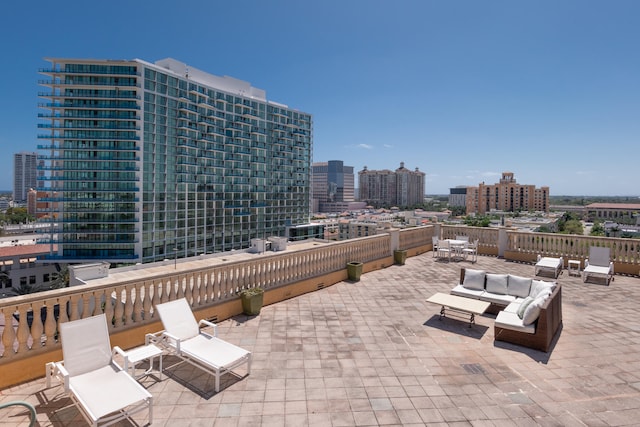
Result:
[529,311]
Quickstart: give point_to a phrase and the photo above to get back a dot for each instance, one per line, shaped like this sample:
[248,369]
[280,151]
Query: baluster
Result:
[63,308]
[50,321]
[108,306]
[204,282]
[127,302]
[157,289]
[37,328]
[87,308]
[23,329]
[180,287]
[188,292]
[8,335]
[73,315]
[118,311]
[147,302]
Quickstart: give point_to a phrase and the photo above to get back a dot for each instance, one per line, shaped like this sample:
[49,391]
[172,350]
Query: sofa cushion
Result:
[461,291]
[519,286]
[532,311]
[497,283]
[498,299]
[523,306]
[474,279]
[508,320]
[538,286]
[513,306]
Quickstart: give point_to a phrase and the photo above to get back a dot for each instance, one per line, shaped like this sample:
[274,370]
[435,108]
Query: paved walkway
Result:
[374,353]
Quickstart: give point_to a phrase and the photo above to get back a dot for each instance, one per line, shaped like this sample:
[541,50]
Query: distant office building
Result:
[458,196]
[24,175]
[506,195]
[627,213]
[402,187]
[153,161]
[332,186]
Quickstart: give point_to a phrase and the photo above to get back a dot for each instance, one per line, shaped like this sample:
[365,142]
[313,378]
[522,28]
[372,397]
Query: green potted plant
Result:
[252,299]
[400,256]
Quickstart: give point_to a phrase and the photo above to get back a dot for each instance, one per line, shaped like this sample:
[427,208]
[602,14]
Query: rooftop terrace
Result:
[375,353]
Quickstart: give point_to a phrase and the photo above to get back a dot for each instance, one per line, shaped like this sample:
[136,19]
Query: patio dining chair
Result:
[183,338]
[434,243]
[98,386]
[471,250]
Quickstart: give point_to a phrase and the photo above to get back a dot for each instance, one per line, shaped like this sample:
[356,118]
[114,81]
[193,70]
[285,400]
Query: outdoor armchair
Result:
[103,392]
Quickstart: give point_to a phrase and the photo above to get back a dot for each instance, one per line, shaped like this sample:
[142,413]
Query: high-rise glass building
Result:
[332,186]
[146,162]
[24,175]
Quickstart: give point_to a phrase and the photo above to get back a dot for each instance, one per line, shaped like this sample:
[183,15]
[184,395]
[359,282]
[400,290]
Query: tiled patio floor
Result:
[374,353]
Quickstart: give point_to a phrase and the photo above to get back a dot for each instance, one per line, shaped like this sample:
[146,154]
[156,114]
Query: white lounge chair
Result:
[183,338]
[100,388]
[598,264]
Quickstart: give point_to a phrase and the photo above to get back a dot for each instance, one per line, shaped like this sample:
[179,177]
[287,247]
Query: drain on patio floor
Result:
[473,368]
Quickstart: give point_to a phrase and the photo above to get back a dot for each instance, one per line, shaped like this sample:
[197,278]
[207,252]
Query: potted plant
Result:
[354,270]
[252,299]
[400,256]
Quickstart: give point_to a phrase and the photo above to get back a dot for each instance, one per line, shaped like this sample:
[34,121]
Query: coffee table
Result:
[459,304]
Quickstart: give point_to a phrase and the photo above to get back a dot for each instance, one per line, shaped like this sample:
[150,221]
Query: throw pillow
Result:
[474,279]
[523,306]
[532,312]
[519,286]
[538,286]
[497,283]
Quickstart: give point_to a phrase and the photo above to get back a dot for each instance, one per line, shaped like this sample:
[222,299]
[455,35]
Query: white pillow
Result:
[538,286]
[474,279]
[497,283]
[519,286]
[523,306]
[532,312]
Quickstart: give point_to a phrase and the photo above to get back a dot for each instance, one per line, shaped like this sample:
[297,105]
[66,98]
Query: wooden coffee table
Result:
[459,304]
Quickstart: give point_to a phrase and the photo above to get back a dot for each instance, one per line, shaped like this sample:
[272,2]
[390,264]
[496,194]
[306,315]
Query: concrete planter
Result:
[354,270]
[252,301]
[399,256]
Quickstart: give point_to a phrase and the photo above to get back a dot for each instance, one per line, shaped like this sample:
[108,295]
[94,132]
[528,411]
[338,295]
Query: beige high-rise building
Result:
[402,187]
[506,195]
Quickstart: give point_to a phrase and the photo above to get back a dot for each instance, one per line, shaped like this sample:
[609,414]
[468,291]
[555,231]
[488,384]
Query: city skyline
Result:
[465,91]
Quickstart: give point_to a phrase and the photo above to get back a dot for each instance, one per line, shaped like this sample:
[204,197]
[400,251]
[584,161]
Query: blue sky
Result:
[462,90]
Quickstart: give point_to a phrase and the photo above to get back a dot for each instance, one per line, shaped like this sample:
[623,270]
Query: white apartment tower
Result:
[146,162]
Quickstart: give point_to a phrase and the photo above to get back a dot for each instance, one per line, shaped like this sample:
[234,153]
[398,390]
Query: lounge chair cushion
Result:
[474,279]
[213,351]
[519,286]
[497,283]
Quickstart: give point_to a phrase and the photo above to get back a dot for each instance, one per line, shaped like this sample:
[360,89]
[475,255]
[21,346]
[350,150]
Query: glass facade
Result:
[145,164]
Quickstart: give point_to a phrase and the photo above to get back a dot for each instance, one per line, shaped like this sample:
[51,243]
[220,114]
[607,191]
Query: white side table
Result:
[136,355]
[573,267]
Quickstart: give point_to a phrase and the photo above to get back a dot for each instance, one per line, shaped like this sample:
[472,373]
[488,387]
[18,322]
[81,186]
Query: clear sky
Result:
[461,89]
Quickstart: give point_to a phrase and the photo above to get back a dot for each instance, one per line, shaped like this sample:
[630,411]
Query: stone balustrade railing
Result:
[625,253]
[130,303]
